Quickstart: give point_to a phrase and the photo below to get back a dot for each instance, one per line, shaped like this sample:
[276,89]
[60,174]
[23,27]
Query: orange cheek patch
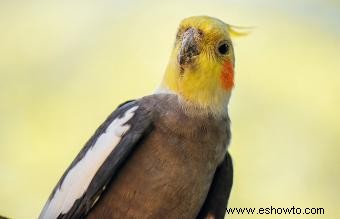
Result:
[227,75]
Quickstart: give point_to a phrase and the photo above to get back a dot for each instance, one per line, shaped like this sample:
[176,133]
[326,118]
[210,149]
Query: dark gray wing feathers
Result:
[140,125]
[218,196]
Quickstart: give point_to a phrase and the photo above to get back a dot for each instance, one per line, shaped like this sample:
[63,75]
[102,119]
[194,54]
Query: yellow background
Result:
[65,65]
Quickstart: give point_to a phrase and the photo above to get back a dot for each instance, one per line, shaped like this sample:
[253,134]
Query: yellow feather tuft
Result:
[237,31]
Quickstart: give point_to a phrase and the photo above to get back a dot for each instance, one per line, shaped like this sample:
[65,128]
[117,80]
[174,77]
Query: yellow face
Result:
[201,67]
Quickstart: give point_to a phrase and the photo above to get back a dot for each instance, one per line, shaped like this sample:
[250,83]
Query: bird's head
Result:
[201,66]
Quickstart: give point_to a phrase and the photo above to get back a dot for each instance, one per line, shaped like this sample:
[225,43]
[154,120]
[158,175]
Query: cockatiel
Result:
[163,155]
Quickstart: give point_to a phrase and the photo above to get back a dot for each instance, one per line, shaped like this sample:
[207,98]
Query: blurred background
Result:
[65,65]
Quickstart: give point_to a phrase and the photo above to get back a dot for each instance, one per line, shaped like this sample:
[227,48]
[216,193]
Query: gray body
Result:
[170,173]
[171,164]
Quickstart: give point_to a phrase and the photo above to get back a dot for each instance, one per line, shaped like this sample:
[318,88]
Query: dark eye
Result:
[223,49]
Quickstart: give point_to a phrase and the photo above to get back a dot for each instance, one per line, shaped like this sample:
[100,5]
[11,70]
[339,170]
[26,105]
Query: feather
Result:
[238,31]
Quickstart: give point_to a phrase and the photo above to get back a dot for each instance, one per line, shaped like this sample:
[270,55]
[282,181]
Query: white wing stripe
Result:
[79,177]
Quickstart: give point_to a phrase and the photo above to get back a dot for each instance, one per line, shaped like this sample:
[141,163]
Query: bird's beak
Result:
[189,48]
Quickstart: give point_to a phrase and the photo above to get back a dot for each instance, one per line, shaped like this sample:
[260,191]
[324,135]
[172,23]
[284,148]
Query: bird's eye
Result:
[223,49]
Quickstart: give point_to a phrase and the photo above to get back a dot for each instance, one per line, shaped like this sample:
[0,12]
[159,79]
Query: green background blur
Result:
[65,65]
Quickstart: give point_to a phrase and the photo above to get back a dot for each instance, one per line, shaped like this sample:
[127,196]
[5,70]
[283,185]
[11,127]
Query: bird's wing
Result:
[97,163]
[217,200]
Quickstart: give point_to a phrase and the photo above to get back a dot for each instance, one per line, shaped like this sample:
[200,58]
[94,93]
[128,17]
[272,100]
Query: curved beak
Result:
[189,47]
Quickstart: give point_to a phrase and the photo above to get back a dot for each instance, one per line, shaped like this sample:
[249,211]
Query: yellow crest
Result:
[237,31]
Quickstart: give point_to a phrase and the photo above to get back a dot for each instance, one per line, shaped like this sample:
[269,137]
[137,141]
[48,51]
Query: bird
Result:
[164,155]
